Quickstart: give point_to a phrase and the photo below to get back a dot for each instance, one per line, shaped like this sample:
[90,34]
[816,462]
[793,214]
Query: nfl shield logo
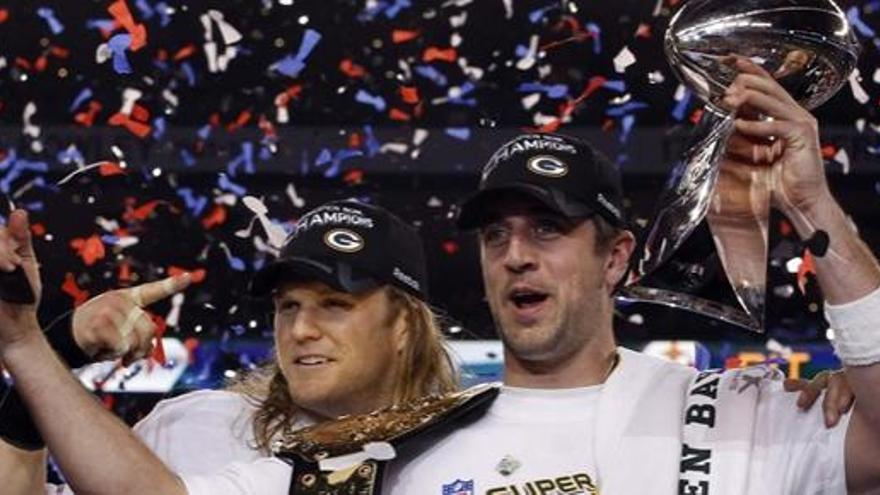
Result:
[459,487]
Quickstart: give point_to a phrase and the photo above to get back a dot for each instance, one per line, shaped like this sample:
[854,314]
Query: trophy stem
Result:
[686,198]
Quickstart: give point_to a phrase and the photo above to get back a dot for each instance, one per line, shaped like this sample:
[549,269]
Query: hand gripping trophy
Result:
[810,49]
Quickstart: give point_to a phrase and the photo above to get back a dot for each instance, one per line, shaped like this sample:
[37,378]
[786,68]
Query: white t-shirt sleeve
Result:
[200,432]
[267,476]
[794,452]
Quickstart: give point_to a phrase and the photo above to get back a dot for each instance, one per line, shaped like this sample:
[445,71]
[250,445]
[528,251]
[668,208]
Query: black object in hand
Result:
[15,287]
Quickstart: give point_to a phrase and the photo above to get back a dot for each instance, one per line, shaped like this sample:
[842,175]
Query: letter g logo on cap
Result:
[548,166]
[344,240]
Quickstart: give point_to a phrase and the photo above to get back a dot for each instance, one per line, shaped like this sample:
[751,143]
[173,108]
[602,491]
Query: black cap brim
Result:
[336,275]
[474,211]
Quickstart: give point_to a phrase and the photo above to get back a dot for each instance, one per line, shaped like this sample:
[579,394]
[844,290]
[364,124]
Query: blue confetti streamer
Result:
[681,106]
[555,91]
[225,183]
[100,24]
[626,108]
[432,74]
[83,95]
[190,73]
[377,102]
[158,128]
[204,132]
[187,158]
[395,8]
[195,203]
[293,64]
[464,90]
[70,155]
[145,9]
[460,133]
[48,15]
[164,13]
[615,85]
[246,158]
[596,31]
[324,157]
[336,160]
[535,16]
[236,263]
[11,157]
[855,19]
[626,126]
[118,44]
[370,142]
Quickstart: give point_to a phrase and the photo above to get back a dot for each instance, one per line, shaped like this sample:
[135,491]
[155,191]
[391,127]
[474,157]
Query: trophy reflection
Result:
[809,47]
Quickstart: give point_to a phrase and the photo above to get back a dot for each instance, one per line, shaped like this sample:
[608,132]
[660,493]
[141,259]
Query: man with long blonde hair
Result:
[353,333]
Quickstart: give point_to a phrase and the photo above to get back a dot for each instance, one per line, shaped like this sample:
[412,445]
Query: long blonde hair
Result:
[426,369]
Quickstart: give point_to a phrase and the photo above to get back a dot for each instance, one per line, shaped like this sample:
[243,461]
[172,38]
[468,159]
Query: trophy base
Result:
[690,303]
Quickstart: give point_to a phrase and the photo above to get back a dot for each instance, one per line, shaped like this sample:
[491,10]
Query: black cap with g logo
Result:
[352,247]
[564,173]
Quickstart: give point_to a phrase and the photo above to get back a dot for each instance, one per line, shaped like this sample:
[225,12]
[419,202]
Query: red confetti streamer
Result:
[808,266]
[90,249]
[73,290]
[785,228]
[59,52]
[696,116]
[643,31]
[119,11]
[216,217]
[191,344]
[139,129]
[354,140]
[40,63]
[267,127]
[124,273]
[351,69]
[402,36]
[243,118]
[595,83]
[38,229]
[197,276]
[450,247]
[433,53]
[398,115]
[140,113]
[410,94]
[4,15]
[354,177]
[828,151]
[108,169]
[185,52]
[290,93]
[87,117]
[159,349]
[142,212]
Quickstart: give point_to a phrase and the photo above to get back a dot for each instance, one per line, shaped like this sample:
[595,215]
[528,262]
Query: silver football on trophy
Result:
[807,45]
[810,48]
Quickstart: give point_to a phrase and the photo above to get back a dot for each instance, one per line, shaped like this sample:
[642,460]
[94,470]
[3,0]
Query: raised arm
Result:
[96,451]
[848,273]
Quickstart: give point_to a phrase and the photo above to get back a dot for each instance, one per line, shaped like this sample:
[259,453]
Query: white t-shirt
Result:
[530,441]
[196,433]
[545,440]
[201,431]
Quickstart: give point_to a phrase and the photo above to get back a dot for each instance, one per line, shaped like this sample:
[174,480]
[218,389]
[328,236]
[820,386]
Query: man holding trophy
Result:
[577,414]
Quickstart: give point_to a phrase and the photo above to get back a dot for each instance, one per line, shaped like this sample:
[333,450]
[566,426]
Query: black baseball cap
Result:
[564,173]
[352,247]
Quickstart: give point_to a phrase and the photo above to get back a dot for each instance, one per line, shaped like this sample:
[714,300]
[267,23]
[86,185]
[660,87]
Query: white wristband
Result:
[856,328]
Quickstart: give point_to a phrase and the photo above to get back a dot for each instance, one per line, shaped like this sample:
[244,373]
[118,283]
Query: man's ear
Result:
[618,258]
